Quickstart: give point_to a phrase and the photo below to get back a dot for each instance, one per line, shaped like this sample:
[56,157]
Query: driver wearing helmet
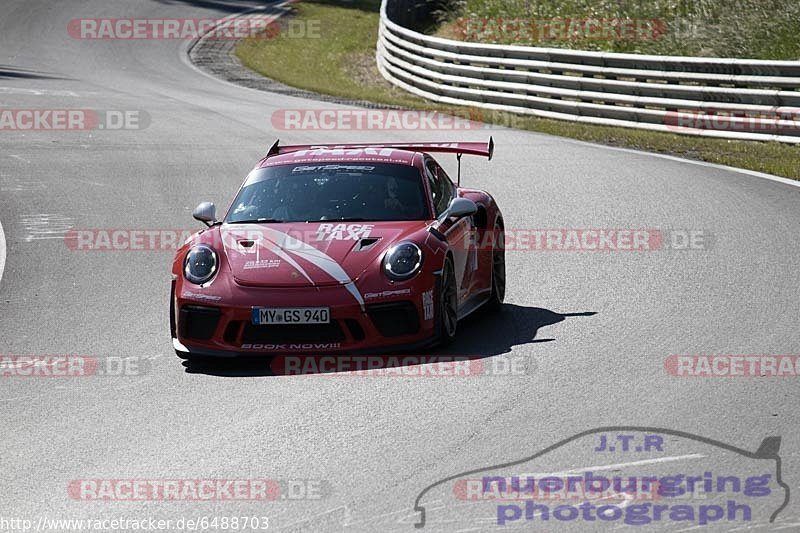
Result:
[298,200]
[391,201]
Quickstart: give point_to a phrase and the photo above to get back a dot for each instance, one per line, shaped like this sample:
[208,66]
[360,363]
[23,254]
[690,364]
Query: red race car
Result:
[350,248]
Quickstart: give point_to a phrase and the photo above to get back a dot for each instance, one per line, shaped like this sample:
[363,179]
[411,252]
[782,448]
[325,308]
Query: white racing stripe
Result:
[617,465]
[274,248]
[2,251]
[316,257]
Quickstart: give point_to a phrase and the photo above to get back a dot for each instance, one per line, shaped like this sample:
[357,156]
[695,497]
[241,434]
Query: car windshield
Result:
[330,191]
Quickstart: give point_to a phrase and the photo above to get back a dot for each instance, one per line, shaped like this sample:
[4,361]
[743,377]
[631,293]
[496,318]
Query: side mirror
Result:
[459,208]
[206,213]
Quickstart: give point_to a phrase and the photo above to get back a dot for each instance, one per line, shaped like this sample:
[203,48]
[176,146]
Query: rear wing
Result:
[470,148]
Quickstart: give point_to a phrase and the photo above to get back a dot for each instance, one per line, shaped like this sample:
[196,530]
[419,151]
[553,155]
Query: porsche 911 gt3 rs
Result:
[348,248]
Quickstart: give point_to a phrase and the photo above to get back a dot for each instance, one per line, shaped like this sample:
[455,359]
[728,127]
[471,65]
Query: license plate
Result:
[291,315]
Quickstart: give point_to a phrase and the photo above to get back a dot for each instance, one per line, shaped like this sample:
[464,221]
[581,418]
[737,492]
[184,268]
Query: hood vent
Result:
[367,243]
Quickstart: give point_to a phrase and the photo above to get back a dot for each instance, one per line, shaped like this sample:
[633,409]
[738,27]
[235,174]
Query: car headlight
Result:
[402,261]
[200,264]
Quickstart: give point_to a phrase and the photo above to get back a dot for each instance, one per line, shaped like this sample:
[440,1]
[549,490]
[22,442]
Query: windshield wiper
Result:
[256,221]
[345,219]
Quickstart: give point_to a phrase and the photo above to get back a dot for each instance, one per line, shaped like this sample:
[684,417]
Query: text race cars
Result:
[349,248]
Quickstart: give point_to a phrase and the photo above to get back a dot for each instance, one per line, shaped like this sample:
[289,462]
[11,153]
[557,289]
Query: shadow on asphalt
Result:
[480,335]
[8,72]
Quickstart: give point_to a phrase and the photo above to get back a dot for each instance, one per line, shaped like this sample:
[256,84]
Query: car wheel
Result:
[447,308]
[495,302]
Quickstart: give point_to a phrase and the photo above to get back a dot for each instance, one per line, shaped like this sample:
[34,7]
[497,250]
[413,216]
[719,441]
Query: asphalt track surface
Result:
[590,329]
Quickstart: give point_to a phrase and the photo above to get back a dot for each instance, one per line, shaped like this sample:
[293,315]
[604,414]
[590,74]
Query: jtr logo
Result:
[626,443]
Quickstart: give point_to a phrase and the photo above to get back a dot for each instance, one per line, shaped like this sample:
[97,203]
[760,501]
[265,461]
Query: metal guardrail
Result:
[712,97]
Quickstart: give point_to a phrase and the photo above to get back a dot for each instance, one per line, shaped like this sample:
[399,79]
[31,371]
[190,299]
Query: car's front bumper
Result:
[216,328]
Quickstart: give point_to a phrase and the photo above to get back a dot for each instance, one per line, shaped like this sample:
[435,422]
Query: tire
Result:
[447,305]
[173,327]
[495,302]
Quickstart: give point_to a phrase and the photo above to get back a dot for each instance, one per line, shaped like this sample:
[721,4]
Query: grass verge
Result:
[758,29]
[341,62]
